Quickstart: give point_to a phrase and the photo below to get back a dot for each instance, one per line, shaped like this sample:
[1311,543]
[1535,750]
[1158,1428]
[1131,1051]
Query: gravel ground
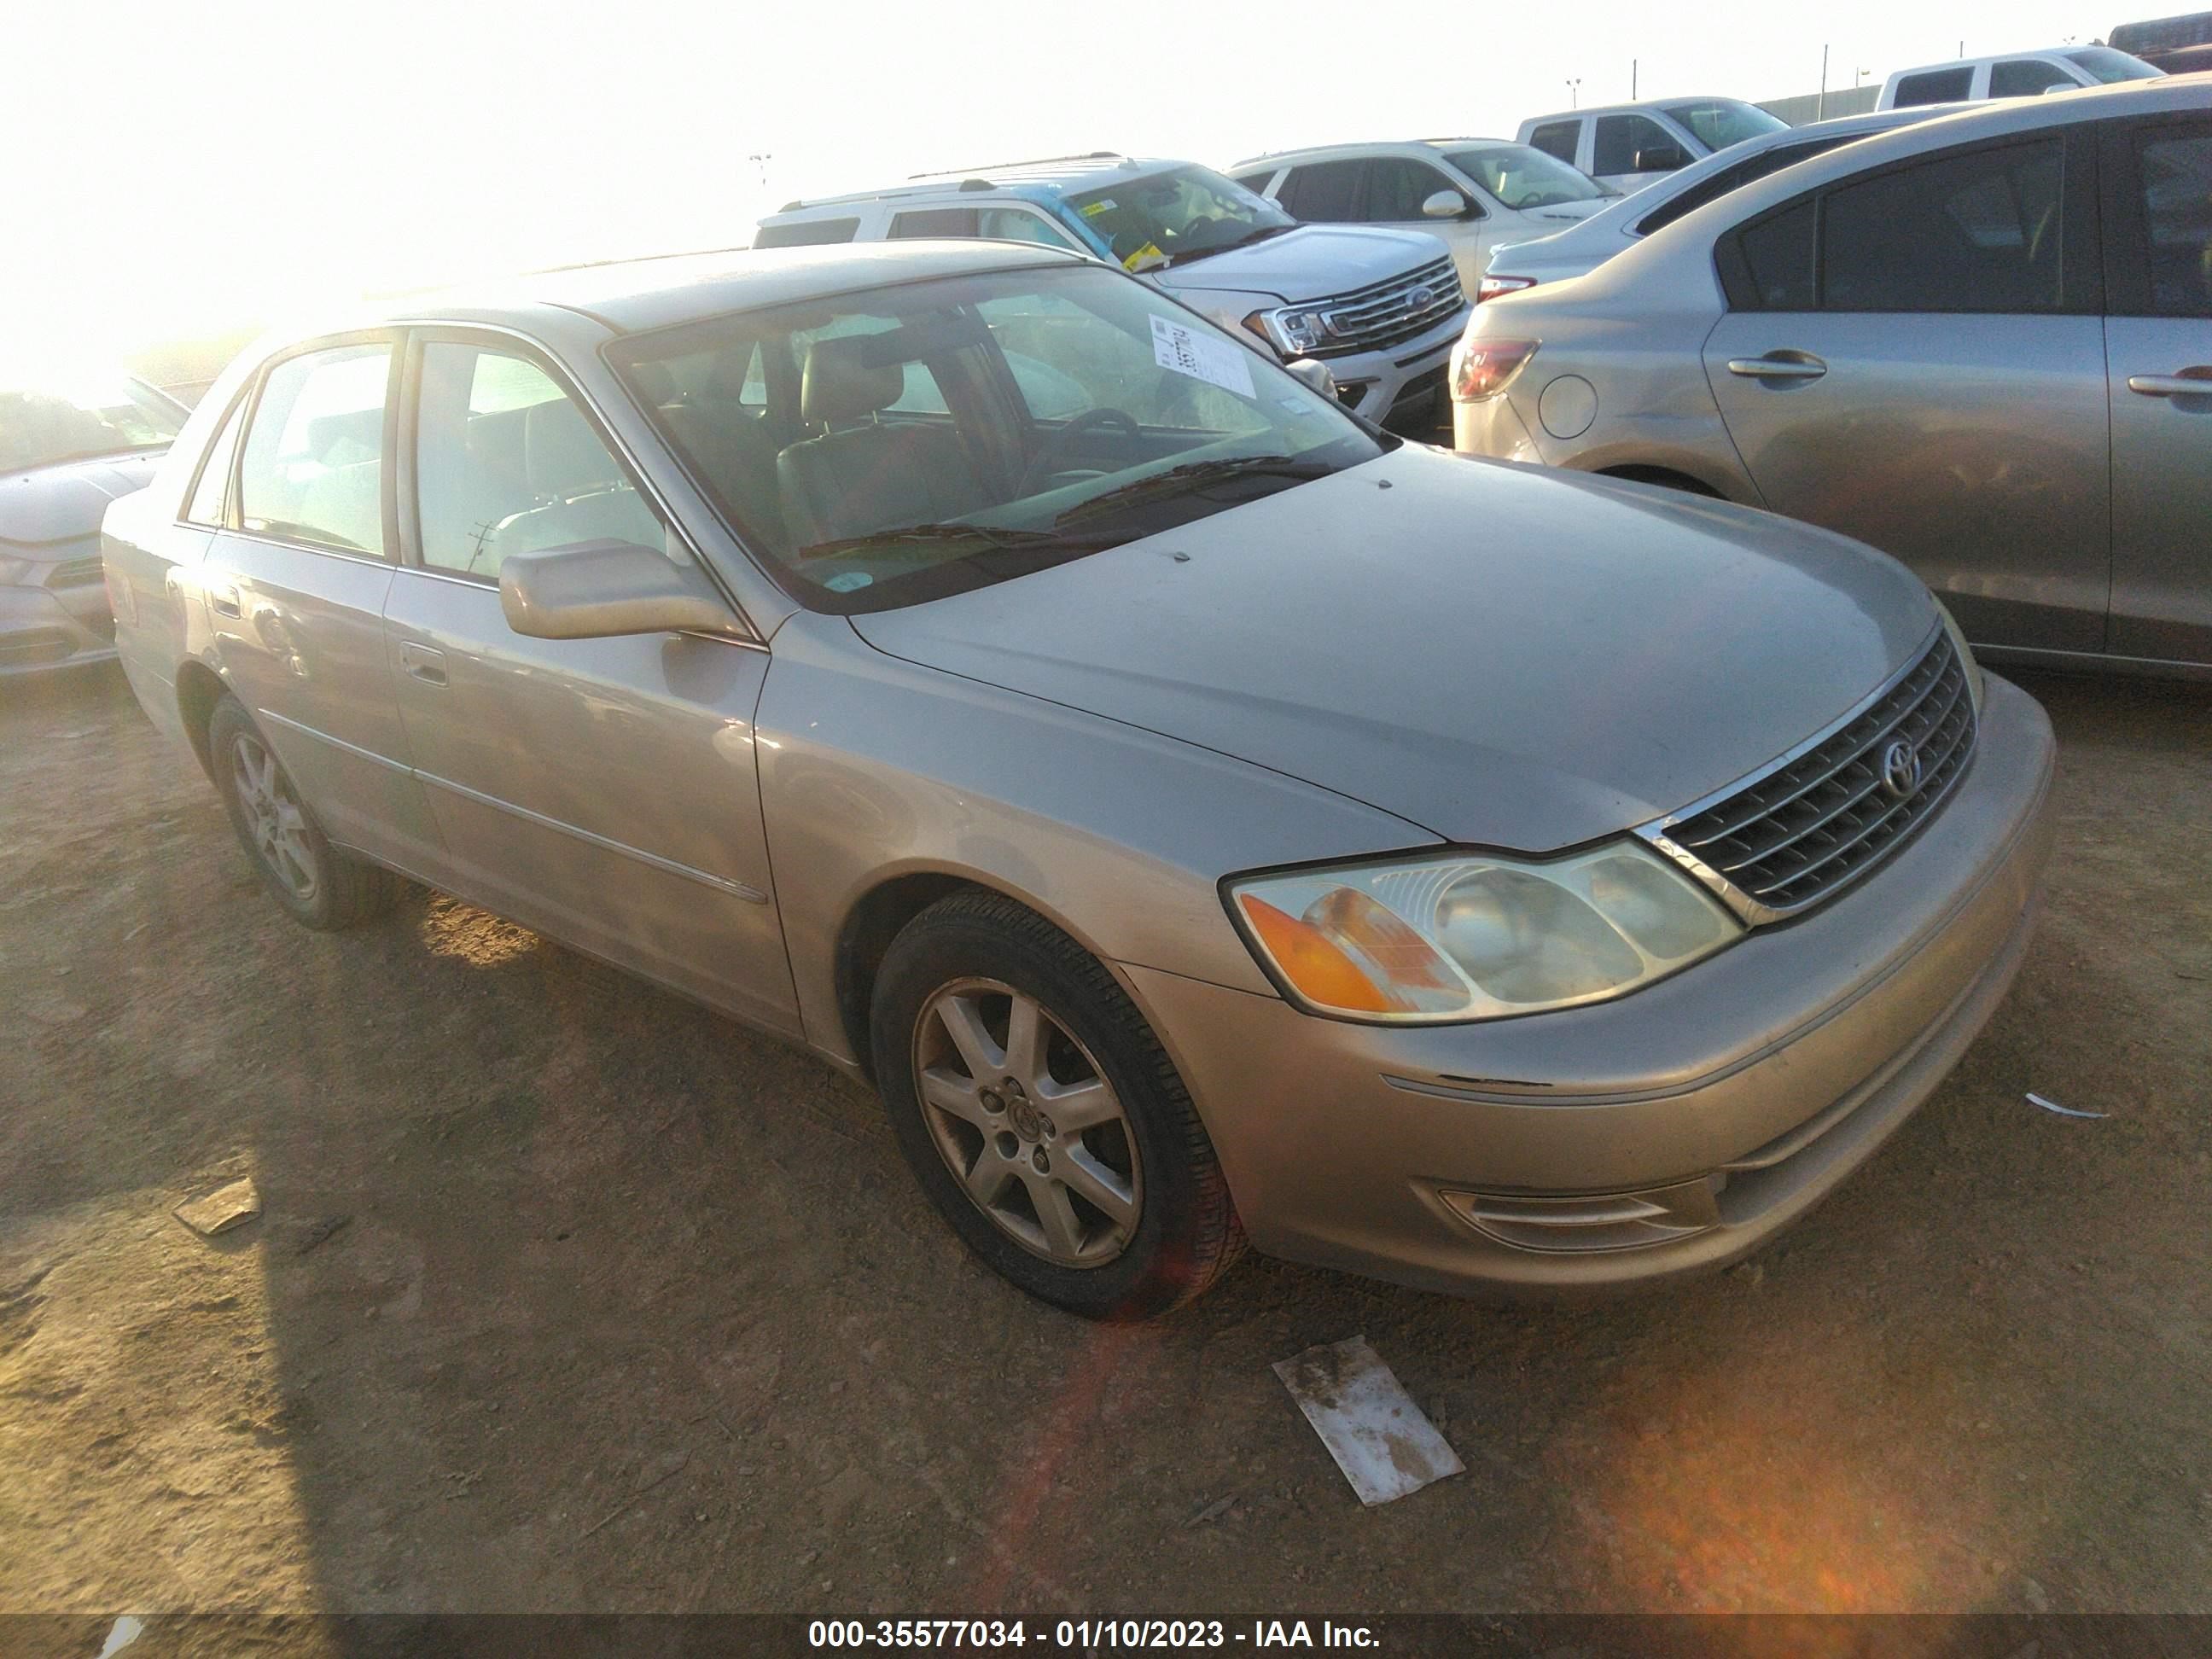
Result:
[568,1295]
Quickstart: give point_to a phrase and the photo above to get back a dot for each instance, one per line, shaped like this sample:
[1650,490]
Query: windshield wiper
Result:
[1003,539]
[1195,475]
[1257,234]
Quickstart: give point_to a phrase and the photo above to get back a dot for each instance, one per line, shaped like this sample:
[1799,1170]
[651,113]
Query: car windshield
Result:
[1719,122]
[1523,178]
[1184,214]
[68,420]
[2107,66]
[880,448]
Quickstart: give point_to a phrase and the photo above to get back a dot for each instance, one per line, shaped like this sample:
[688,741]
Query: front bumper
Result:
[1674,1130]
[45,627]
[1400,387]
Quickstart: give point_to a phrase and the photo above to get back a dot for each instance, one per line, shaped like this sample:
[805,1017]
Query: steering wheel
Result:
[1048,458]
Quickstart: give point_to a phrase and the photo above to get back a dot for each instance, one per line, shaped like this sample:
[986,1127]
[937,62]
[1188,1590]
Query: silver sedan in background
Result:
[1983,344]
[1200,816]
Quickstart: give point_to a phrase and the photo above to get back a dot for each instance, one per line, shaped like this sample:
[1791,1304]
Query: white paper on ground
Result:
[1371,1427]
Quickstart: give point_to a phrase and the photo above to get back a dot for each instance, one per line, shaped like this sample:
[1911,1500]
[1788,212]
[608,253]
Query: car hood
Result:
[1503,655]
[62,502]
[1309,263]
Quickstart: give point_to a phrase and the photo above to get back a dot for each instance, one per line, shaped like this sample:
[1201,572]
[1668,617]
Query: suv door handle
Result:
[2195,382]
[223,601]
[1798,366]
[424,664]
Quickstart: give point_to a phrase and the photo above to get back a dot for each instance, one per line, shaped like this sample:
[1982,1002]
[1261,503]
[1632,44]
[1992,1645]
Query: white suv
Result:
[1630,145]
[1475,193]
[2012,75]
[1381,308]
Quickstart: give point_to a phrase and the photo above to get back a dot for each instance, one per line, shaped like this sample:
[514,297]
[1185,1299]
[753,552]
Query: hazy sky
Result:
[184,166]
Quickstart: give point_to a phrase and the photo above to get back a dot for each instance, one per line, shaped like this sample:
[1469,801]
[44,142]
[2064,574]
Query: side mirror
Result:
[1444,204]
[598,589]
[1313,375]
[1660,158]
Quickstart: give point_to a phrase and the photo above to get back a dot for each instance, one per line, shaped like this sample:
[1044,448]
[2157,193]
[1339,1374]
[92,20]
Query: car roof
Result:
[1374,147]
[633,296]
[1985,57]
[1638,108]
[1053,176]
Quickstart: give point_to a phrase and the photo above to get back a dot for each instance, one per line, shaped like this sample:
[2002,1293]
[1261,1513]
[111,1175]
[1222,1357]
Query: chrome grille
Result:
[1384,313]
[1808,827]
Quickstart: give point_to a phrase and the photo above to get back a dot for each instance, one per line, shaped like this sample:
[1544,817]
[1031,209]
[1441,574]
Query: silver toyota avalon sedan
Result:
[1982,343]
[1200,816]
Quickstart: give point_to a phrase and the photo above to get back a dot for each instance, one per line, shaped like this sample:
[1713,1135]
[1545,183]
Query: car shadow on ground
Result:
[567,1294]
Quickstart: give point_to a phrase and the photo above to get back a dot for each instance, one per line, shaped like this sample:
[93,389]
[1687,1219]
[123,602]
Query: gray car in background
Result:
[1619,224]
[69,444]
[1983,344]
[1201,817]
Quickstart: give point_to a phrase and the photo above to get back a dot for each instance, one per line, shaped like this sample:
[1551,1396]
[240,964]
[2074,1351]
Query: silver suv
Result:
[1380,308]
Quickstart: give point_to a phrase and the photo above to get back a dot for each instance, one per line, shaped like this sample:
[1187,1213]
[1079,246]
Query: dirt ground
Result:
[568,1295]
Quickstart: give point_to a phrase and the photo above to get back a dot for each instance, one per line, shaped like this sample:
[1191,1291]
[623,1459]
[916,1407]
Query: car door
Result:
[1629,150]
[1397,185]
[601,790]
[295,583]
[2158,346]
[1914,356]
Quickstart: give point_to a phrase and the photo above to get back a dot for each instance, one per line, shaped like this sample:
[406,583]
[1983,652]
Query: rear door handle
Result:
[424,664]
[1799,366]
[223,601]
[2195,382]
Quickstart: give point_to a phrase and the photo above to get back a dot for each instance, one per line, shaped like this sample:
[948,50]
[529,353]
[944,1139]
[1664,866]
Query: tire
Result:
[1164,1229]
[316,884]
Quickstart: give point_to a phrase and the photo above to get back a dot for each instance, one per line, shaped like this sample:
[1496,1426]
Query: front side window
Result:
[1778,256]
[2174,173]
[1945,86]
[211,489]
[314,466]
[1003,224]
[930,437]
[1716,123]
[1633,143]
[1162,219]
[1557,139]
[1523,176]
[2025,78]
[1397,186]
[80,419]
[2106,66]
[507,461]
[1982,231]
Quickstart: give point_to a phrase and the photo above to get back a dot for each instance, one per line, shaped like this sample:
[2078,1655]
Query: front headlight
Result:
[16,573]
[1293,330]
[1972,669]
[1431,940]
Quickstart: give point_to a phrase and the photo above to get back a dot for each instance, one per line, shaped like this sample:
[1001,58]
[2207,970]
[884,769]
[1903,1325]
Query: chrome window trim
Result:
[267,540]
[1747,909]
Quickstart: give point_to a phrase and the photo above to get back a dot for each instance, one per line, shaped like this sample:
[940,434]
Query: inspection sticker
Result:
[1214,361]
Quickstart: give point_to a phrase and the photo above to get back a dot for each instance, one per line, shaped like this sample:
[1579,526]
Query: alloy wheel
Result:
[274,818]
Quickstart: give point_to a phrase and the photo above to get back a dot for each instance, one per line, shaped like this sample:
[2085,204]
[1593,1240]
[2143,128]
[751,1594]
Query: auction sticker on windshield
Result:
[1175,347]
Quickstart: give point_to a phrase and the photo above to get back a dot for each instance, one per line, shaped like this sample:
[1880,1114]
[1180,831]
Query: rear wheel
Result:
[1043,1117]
[317,885]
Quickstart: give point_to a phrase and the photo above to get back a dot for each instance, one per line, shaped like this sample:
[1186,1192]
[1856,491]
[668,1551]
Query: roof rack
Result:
[1032,162]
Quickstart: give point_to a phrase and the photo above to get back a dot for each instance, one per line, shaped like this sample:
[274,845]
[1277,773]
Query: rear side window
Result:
[1945,86]
[1621,138]
[1716,186]
[807,233]
[1326,193]
[313,470]
[2023,77]
[211,489]
[2175,174]
[1982,231]
[999,223]
[1557,139]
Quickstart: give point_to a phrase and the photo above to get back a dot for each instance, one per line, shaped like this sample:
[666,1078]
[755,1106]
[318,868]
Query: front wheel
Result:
[1042,1116]
[317,885]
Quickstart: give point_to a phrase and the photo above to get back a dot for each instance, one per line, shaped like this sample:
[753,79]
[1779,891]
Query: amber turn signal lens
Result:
[1319,970]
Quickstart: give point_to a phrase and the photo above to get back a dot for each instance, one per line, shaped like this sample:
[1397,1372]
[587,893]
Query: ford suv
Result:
[1381,308]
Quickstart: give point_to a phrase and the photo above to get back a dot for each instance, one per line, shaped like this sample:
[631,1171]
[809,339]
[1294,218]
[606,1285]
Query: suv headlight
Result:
[1430,940]
[1293,330]
[1974,670]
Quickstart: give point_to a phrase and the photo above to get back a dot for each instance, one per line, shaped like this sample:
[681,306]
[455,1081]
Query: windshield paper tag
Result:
[1214,361]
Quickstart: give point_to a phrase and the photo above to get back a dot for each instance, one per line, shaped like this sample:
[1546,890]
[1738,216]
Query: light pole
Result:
[1574,92]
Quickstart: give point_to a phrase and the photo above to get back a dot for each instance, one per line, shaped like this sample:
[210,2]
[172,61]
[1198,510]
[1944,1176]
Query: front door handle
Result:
[2192,382]
[223,601]
[424,664]
[1775,366]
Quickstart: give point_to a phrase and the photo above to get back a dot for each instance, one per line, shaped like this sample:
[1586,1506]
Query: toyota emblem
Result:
[1901,770]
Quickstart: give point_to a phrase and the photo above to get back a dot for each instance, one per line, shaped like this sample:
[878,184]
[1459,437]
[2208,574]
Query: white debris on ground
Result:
[1371,1427]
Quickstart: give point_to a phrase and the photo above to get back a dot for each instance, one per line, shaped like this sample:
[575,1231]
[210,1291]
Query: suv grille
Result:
[1384,313]
[1822,818]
